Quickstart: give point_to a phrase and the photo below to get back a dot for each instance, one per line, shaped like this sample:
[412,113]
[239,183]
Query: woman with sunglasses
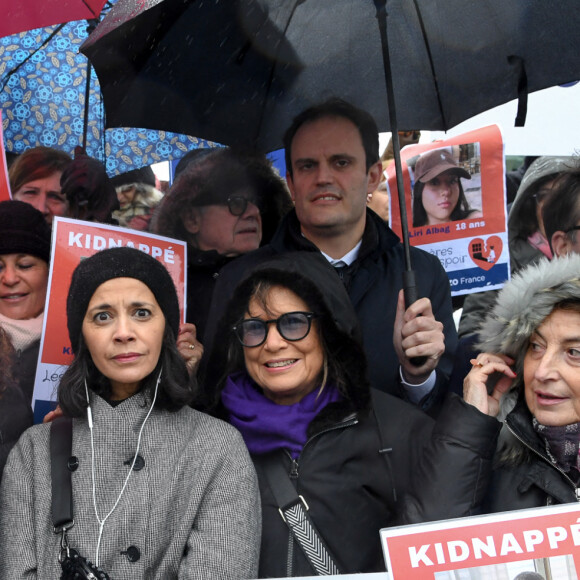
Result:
[295,386]
[222,204]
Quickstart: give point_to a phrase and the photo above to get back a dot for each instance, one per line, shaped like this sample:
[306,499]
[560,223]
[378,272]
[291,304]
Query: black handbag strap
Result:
[294,511]
[60,452]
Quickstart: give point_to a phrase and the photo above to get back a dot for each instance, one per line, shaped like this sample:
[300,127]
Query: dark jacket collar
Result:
[519,421]
[377,236]
[208,258]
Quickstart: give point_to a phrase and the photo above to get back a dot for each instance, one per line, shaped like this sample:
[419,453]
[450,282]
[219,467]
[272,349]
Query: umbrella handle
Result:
[409,285]
[411,295]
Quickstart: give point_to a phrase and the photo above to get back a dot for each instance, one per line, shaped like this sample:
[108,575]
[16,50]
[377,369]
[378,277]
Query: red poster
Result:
[469,234]
[542,540]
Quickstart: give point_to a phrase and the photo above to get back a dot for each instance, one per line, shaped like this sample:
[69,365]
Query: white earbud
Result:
[89,412]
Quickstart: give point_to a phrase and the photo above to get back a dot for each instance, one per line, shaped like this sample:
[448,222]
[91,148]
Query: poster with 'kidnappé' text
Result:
[456,208]
[72,241]
[534,543]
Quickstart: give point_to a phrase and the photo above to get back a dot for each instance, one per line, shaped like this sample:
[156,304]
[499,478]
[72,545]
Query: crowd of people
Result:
[302,406]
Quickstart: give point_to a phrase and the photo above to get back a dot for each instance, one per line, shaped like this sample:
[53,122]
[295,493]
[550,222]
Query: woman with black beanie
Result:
[159,490]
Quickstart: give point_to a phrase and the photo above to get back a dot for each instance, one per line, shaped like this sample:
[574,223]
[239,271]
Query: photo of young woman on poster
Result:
[438,195]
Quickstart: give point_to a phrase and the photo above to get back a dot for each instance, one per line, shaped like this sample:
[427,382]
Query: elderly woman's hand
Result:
[475,383]
[190,349]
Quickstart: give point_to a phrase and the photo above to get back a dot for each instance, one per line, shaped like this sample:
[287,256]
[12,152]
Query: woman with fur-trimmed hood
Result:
[534,333]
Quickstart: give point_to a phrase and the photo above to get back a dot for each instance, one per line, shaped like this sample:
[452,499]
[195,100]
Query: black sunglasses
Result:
[238,204]
[572,229]
[291,326]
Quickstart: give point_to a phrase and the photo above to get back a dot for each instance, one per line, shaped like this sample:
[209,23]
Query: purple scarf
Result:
[267,426]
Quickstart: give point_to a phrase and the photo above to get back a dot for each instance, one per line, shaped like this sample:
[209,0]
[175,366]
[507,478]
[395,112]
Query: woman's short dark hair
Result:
[176,388]
[527,214]
[37,163]
[461,210]
[561,211]
[344,355]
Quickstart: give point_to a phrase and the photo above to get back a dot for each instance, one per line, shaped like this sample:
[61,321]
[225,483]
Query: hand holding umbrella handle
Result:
[409,285]
[411,296]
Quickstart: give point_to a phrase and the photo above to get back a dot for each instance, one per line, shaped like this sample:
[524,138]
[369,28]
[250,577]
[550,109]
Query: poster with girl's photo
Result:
[456,209]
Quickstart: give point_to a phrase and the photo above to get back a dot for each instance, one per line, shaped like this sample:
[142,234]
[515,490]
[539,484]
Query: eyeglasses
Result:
[238,204]
[291,326]
[571,229]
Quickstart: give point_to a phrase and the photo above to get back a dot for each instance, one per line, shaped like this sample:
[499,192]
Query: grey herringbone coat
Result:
[192,511]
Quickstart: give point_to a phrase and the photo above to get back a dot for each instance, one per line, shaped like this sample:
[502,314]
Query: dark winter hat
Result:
[141,175]
[118,263]
[23,230]
[432,163]
[86,185]
[188,159]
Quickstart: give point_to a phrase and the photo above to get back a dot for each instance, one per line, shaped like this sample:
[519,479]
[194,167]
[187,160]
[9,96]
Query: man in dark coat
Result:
[332,164]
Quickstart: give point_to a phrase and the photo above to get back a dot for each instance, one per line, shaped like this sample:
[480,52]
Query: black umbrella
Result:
[238,71]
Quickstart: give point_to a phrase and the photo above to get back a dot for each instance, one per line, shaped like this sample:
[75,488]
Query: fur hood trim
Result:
[526,301]
[522,305]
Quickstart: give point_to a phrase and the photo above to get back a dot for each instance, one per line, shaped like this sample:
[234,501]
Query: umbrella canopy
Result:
[238,71]
[28,14]
[43,100]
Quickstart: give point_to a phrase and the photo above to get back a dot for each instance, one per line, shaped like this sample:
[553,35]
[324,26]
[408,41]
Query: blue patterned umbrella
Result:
[42,96]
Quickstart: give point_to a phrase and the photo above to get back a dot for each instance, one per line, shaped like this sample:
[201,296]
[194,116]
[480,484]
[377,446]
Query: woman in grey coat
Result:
[160,490]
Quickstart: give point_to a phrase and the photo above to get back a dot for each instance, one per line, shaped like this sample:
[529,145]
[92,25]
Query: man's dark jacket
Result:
[373,282]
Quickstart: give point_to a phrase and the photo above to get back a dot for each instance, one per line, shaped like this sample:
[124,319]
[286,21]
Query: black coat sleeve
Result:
[454,472]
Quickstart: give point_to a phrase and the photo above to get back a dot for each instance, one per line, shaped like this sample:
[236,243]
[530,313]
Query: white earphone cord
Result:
[90,422]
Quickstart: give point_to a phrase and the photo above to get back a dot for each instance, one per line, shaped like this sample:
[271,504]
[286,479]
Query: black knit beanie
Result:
[118,263]
[23,230]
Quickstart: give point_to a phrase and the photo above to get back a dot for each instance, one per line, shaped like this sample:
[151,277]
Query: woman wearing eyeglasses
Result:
[221,204]
[295,386]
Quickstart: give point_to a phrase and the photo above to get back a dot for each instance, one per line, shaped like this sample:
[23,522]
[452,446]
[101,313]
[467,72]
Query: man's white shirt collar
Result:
[347,259]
